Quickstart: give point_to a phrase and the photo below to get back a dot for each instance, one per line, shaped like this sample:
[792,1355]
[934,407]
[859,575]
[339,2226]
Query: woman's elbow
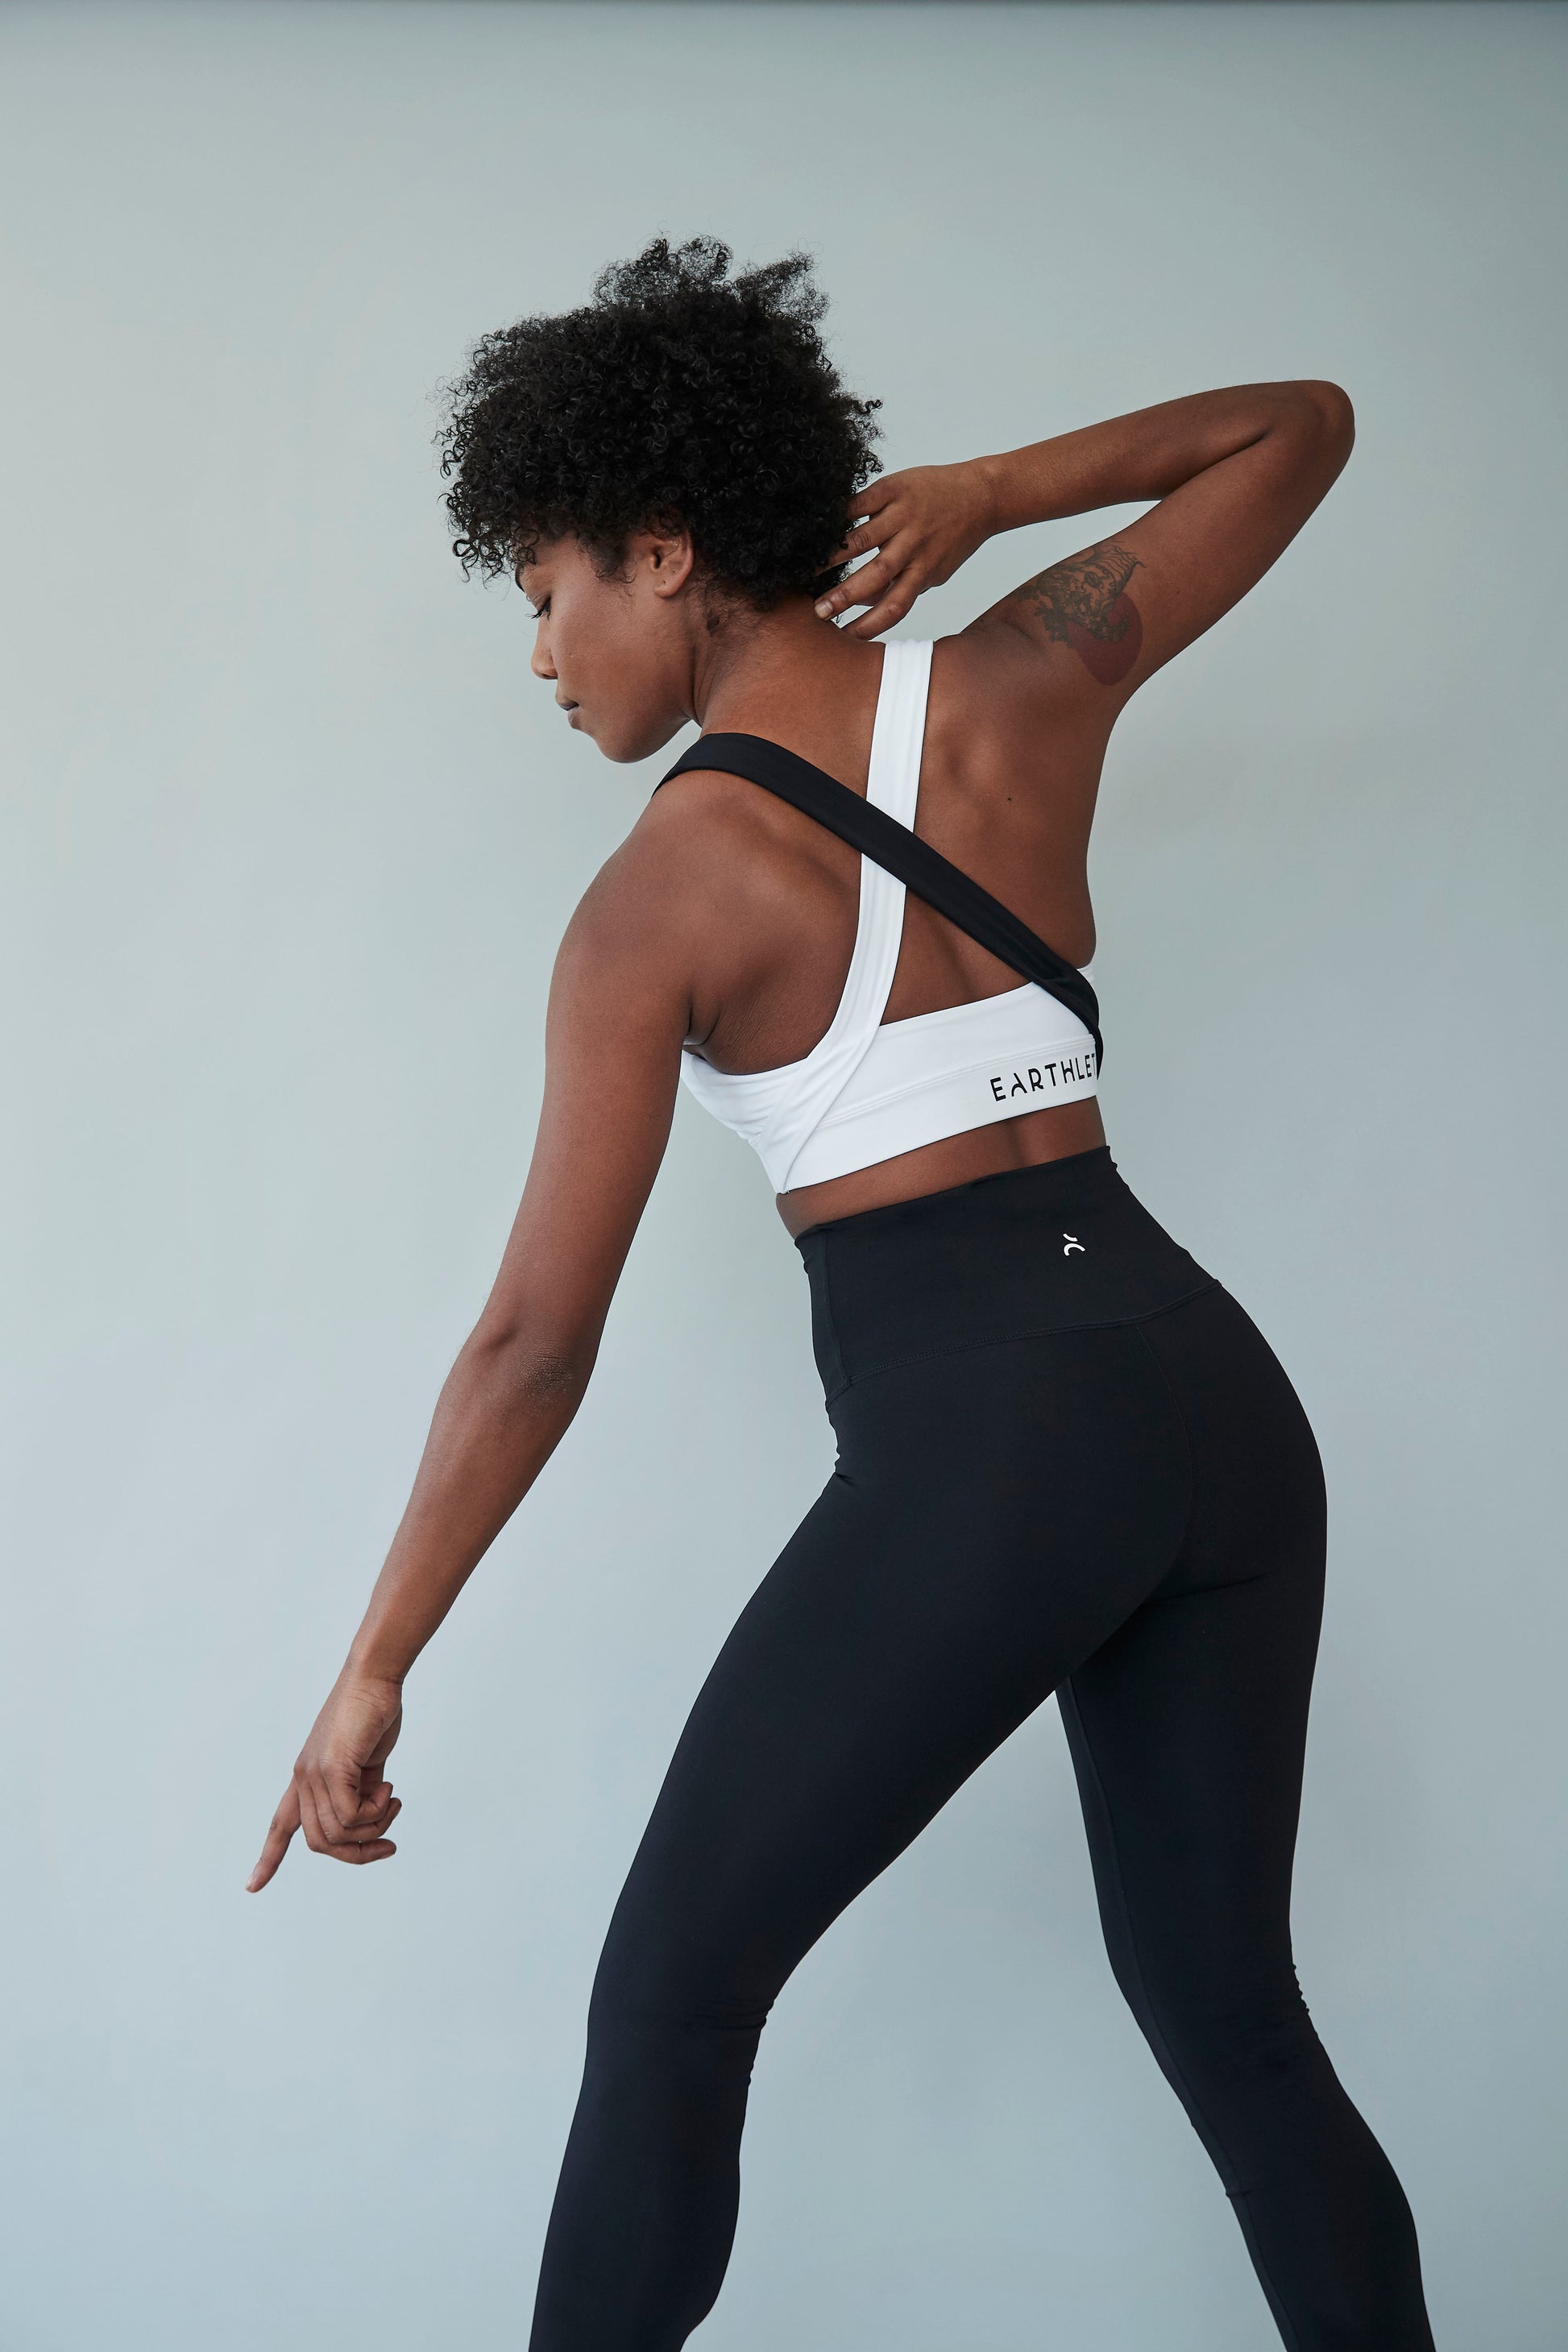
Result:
[534,1369]
[1327,408]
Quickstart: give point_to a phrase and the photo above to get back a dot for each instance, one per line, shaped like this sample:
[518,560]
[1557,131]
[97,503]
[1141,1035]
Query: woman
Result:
[1067,1462]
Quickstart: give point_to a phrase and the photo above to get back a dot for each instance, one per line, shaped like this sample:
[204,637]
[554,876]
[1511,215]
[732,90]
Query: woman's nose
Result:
[542,664]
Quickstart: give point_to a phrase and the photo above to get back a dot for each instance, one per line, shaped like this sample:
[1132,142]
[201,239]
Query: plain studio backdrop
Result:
[293,835]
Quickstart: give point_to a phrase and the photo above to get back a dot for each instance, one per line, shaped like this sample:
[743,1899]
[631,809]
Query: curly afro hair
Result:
[679,395]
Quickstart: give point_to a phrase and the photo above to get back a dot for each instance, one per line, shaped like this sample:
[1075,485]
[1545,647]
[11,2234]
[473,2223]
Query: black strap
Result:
[914,862]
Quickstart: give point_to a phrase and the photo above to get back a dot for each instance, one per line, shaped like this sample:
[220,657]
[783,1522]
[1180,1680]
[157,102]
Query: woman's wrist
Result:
[989,477]
[1018,486]
[374,1659]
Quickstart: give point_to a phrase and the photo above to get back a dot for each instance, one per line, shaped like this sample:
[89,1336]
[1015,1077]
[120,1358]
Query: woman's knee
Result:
[1233,2047]
[670,1960]
[670,2017]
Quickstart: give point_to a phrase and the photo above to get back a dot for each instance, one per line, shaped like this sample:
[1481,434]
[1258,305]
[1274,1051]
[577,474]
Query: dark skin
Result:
[724,923]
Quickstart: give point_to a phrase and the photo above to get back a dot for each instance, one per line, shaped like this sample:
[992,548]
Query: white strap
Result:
[897,738]
[892,784]
[780,1110]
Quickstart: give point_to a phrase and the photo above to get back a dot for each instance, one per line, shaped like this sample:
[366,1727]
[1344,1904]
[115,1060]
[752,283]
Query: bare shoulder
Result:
[1001,700]
[689,837]
[1082,605]
[993,654]
[714,882]
[1070,640]
[712,844]
[628,936]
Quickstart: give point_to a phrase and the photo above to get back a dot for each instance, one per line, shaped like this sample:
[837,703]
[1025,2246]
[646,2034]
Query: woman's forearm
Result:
[1147,454]
[503,1410]
[500,1414]
[917,527]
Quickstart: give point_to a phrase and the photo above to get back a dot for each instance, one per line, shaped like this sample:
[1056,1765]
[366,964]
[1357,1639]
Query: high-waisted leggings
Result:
[1067,1463]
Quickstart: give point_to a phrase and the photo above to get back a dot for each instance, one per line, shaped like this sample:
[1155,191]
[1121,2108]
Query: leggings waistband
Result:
[1059,1247]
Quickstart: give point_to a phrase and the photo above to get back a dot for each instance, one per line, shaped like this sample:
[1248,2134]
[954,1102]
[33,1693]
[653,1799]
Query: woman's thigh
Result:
[994,1515]
[1188,1726]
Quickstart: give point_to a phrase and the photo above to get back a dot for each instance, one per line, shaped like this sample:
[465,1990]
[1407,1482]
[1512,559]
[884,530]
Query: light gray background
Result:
[293,836]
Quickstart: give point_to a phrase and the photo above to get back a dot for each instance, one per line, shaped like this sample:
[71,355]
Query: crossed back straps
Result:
[913,862]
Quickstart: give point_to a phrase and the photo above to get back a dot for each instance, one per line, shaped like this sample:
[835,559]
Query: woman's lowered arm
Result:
[618,1014]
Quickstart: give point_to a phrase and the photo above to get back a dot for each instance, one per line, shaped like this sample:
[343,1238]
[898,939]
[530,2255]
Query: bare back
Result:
[1006,794]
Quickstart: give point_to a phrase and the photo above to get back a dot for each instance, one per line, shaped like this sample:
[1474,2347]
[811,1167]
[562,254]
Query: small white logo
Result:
[1072,1243]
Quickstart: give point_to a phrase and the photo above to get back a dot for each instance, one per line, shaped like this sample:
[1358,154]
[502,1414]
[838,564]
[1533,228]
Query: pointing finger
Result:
[285,1822]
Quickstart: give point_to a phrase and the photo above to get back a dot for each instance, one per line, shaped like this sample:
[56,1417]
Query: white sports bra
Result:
[872,1089]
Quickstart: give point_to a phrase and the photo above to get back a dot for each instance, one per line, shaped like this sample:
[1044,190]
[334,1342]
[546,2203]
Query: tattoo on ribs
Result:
[1083,602]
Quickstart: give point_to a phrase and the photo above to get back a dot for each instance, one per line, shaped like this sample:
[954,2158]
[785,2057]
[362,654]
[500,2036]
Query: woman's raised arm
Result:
[619,1008]
[1236,474]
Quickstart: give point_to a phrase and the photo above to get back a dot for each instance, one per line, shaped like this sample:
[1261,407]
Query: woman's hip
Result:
[1026,1253]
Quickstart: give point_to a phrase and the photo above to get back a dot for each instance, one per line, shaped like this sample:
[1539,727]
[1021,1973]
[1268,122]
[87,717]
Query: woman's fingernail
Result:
[824,610]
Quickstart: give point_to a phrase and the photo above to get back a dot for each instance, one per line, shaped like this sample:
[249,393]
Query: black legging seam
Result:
[1012,1338]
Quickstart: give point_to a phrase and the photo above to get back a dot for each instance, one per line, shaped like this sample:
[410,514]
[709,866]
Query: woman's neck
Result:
[753,676]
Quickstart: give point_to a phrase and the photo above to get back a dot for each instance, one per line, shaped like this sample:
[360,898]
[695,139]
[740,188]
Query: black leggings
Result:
[1067,1462]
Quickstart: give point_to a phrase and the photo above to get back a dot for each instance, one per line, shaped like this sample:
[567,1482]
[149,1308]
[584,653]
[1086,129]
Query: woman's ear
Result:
[669,557]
